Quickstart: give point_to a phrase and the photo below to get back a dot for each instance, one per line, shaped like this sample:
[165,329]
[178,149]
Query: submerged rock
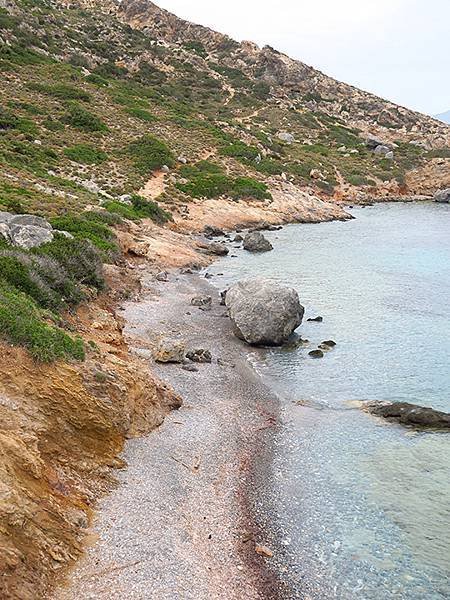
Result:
[256,242]
[316,354]
[263,313]
[315,320]
[410,414]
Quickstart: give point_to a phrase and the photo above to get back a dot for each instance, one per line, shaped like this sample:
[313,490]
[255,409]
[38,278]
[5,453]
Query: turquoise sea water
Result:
[362,507]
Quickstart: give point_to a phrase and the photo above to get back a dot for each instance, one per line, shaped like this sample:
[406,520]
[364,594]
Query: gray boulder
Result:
[5,231]
[5,217]
[442,196]
[30,220]
[263,313]
[29,236]
[217,249]
[372,142]
[284,136]
[256,242]
[382,150]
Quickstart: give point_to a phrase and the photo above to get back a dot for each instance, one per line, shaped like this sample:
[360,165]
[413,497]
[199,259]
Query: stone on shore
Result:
[202,301]
[212,231]
[200,355]
[442,196]
[217,249]
[410,414]
[170,351]
[256,242]
[263,313]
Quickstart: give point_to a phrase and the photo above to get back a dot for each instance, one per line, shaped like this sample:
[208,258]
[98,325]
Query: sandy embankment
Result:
[180,525]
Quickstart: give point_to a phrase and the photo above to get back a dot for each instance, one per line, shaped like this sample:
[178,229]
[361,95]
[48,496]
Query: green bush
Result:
[81,118]
[196,47]
[61,91]
[149,154]
[24,324]
[245,187]
[142,114]
[208,180]
[97,80]
[82,228]
[240,151]
[140,209]
[78,257]
[85,154]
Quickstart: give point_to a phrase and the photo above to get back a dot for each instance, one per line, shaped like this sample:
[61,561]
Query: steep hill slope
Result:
[117,118]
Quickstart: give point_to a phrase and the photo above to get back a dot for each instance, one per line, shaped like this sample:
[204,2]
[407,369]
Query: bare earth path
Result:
[179,524]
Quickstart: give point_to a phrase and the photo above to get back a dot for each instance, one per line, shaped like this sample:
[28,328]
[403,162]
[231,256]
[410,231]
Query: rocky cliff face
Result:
[291,80]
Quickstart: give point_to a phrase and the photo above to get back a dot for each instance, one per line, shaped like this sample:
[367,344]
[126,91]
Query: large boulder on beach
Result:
[256,242]
[410,414]
[442,196]
[263,313]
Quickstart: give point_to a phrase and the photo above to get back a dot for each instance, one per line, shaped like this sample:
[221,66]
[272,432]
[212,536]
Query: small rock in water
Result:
[329,343]
[256,242]
[200,355]
[316,320]
[316,354]
[217,249]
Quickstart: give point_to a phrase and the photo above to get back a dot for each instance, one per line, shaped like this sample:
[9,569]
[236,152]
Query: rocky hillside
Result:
[122,128]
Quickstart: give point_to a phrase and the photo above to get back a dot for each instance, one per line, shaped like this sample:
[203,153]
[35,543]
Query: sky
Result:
[397,49]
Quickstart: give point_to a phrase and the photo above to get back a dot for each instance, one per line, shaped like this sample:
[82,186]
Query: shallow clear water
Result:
[363,506]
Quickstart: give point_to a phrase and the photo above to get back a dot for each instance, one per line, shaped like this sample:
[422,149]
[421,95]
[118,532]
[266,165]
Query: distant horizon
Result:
[401,46]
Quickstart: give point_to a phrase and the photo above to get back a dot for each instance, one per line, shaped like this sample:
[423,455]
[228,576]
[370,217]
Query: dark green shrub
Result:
[240,151]
[81,118]
[85,154]
[97,80]
[78,257]
[17,270]
[84,229]
[245,187]
[149,154]
[139,209]
[24,324]
[61,91]
[196,47]
[143,115]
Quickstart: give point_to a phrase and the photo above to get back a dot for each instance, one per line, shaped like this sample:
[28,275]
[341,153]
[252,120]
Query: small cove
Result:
[361,506]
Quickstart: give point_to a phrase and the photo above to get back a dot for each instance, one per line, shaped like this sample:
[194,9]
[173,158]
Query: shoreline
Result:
[243,413]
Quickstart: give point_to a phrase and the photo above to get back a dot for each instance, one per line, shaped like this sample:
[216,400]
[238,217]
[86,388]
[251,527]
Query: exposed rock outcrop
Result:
[410,414]
[443,196]
[256,242]
[263,312]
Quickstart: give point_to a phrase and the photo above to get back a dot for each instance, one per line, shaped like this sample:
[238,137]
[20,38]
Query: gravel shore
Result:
[182,521]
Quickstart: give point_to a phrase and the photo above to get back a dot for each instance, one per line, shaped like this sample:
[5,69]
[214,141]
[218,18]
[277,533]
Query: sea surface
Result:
[361,507]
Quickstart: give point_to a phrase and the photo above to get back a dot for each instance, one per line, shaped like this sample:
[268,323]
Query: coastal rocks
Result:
[212,231]
[25,231]
[204,302]
[200,355]
[217,249]
[256,242]
[263,313]
[442,196]
[170,351]
[410,414]
[315,320]
[316,354]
